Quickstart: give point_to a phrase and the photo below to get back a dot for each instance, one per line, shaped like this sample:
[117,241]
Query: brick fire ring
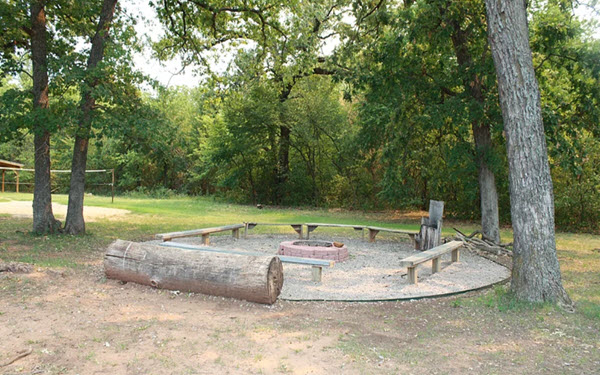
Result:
[313,249]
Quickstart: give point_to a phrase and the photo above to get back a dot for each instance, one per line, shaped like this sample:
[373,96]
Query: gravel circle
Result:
[372,272]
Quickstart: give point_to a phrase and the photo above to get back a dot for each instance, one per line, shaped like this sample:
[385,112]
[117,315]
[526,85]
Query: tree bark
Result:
[75,223]
[536,272]
[252,278]
[43,217]
[488,194]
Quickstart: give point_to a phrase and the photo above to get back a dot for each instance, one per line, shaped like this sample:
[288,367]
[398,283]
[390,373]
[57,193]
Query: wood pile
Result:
[478,241]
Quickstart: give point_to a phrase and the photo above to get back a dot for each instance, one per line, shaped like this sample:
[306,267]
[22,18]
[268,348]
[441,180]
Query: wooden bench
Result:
[317,264]
[374,230]
[297,227]
[433,254]
[205,233]
[312,226]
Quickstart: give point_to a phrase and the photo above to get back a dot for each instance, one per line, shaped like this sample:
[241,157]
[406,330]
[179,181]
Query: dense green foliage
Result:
[382,122]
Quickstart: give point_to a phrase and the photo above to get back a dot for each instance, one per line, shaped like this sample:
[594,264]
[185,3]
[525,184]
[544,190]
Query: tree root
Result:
[21,355]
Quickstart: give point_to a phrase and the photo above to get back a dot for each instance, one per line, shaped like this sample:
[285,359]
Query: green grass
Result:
[580,264]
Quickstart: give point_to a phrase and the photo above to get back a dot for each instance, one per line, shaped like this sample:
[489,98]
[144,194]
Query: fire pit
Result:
[314,249]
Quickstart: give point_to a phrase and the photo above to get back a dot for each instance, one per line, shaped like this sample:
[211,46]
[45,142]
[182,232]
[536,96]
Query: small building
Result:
[6,165]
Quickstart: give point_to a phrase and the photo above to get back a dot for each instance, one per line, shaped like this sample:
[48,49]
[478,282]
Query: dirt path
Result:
[91,213]
[77,322]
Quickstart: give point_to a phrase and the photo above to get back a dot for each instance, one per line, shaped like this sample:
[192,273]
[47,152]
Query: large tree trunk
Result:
[43,218]
[536,272]
[252,278]
[490,223]
[75,223]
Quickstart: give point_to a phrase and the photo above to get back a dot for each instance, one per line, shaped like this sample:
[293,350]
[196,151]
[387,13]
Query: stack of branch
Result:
[478,241]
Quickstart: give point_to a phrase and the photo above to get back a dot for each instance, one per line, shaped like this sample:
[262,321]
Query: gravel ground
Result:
[372,272]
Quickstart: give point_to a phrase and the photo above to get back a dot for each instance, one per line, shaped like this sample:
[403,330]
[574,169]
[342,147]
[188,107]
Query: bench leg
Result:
[372,234]
[205,240]
[235,233]
[412,275]
[301,234]
[298,229]
[435,265]
[245,230]
[414,241]
[455,255]
[317,273]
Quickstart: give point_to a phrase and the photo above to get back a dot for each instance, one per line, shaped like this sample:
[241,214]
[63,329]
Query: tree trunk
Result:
[75,223]
[536,271]
[283,157]
[490,223]
[252,278]
[43,218]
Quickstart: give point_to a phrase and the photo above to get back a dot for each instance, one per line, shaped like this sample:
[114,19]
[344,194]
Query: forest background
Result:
[387,119]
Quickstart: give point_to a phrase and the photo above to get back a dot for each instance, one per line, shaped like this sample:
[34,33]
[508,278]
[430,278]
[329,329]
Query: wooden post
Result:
[205,239]
[455,255]
[372,234]
[317,272]
[414,241]
[112,186]
[245,230]
[17,173]
[435,265]
[3,180]
[235,233]
[412,275]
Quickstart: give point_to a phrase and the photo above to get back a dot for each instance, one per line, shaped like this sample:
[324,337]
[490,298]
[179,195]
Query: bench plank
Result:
[402,231]
[197,232]
[436,252]
[432,254]
[298,228]
[283,258]
[374,230]
[312,226]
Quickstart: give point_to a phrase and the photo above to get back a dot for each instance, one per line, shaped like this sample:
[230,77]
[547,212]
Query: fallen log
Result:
[248,277]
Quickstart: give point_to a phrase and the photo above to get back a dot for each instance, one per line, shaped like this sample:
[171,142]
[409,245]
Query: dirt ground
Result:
[23,209]
[77,322]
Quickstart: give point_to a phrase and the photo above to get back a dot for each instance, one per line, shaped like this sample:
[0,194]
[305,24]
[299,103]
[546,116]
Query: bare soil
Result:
[23,209]
[77,322]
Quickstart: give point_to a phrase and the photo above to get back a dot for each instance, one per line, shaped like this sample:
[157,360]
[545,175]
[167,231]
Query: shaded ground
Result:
[23,209]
